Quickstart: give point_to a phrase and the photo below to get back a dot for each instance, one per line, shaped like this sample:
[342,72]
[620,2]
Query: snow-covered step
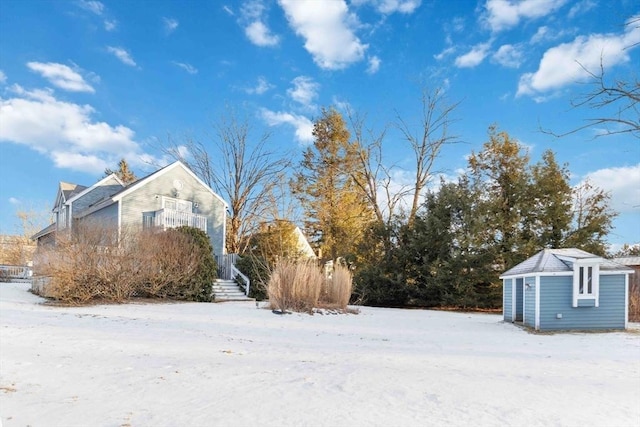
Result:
[228,290]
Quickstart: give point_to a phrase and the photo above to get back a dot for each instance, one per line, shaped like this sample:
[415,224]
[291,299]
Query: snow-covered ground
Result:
[197,364]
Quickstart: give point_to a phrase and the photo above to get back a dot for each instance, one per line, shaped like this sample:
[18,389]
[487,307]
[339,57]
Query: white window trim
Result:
[595,281]
[537,303]
[166,198]
[513,299]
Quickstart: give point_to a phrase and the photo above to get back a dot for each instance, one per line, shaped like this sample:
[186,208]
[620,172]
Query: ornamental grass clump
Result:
[302,286]
[295,285]
[338,288]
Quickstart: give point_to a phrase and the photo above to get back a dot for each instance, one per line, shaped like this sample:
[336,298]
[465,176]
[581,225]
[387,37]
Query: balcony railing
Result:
[171,218]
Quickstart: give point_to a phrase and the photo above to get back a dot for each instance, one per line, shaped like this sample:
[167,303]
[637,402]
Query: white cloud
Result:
[170,25]
[61,76]
[566,63]
[509,56]
[261,87]
[187,67]
[110,24]
[391,6]
[3,77]
[253,20]
[64,131]
[122,55]
[374,65]
[228,10]
[303,126]
[95,7]
[327,30]
[304,91]
[581,7]
[260,35]
[14,201]
[474,57]
[504,14]
[445,52]
[624,185]
[540,35]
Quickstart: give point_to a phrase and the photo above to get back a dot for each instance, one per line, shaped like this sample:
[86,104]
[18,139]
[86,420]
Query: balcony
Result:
[171,218]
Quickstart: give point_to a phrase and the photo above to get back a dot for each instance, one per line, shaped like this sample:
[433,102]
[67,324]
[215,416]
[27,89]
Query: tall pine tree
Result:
[336,208]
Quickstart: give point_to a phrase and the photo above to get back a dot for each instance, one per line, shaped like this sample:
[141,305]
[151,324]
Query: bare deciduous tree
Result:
[242,170]
[617,98]
[427,140]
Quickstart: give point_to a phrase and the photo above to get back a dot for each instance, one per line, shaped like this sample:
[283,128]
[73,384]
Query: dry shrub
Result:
[97,263]
[295,285]
[165,261]
[338,288]
[87,264]
[634,299]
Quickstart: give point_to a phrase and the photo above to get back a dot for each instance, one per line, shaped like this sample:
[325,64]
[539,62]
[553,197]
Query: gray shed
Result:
[567,289]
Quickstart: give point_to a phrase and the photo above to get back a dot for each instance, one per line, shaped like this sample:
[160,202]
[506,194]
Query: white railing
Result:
[171,218]
[15,272]
[227,270]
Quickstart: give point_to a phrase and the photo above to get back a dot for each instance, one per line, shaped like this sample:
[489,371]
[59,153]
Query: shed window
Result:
[586,283]
[585,277]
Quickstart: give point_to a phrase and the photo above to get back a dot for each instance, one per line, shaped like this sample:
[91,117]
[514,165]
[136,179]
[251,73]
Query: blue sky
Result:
[84,83]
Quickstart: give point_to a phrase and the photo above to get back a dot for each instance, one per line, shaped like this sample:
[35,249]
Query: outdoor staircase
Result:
[228,290]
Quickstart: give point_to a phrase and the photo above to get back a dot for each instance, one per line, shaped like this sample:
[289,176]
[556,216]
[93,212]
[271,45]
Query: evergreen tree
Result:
[549,203]
[337,210]
[501,171]
[125,174]
[592,219]
[447,260]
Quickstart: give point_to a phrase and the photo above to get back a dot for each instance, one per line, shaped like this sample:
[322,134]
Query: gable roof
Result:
[84,190]
[67,190]
[560,261]
[141,182]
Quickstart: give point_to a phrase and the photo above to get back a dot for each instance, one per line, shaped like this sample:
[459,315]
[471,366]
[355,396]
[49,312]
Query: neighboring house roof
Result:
[303,243]
[628,260]
[559,260]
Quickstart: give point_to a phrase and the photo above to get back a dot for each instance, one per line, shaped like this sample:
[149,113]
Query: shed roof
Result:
[560,260]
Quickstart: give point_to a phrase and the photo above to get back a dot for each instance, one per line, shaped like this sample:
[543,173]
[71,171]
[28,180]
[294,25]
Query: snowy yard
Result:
[197,364]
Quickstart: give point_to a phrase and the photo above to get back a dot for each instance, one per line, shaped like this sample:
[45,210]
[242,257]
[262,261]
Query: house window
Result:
[177,204]
[62,218]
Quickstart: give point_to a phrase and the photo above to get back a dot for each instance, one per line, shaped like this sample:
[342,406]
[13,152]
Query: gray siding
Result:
[556,294]
[108,188]
[107,216]
[530,302]
[506,300]
[148,198]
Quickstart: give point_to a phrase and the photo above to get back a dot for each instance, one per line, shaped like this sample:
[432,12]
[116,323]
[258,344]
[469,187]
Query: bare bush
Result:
[87,264]
[338,288]
[634,299]
[295,285]
[165,261]
[99,263]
